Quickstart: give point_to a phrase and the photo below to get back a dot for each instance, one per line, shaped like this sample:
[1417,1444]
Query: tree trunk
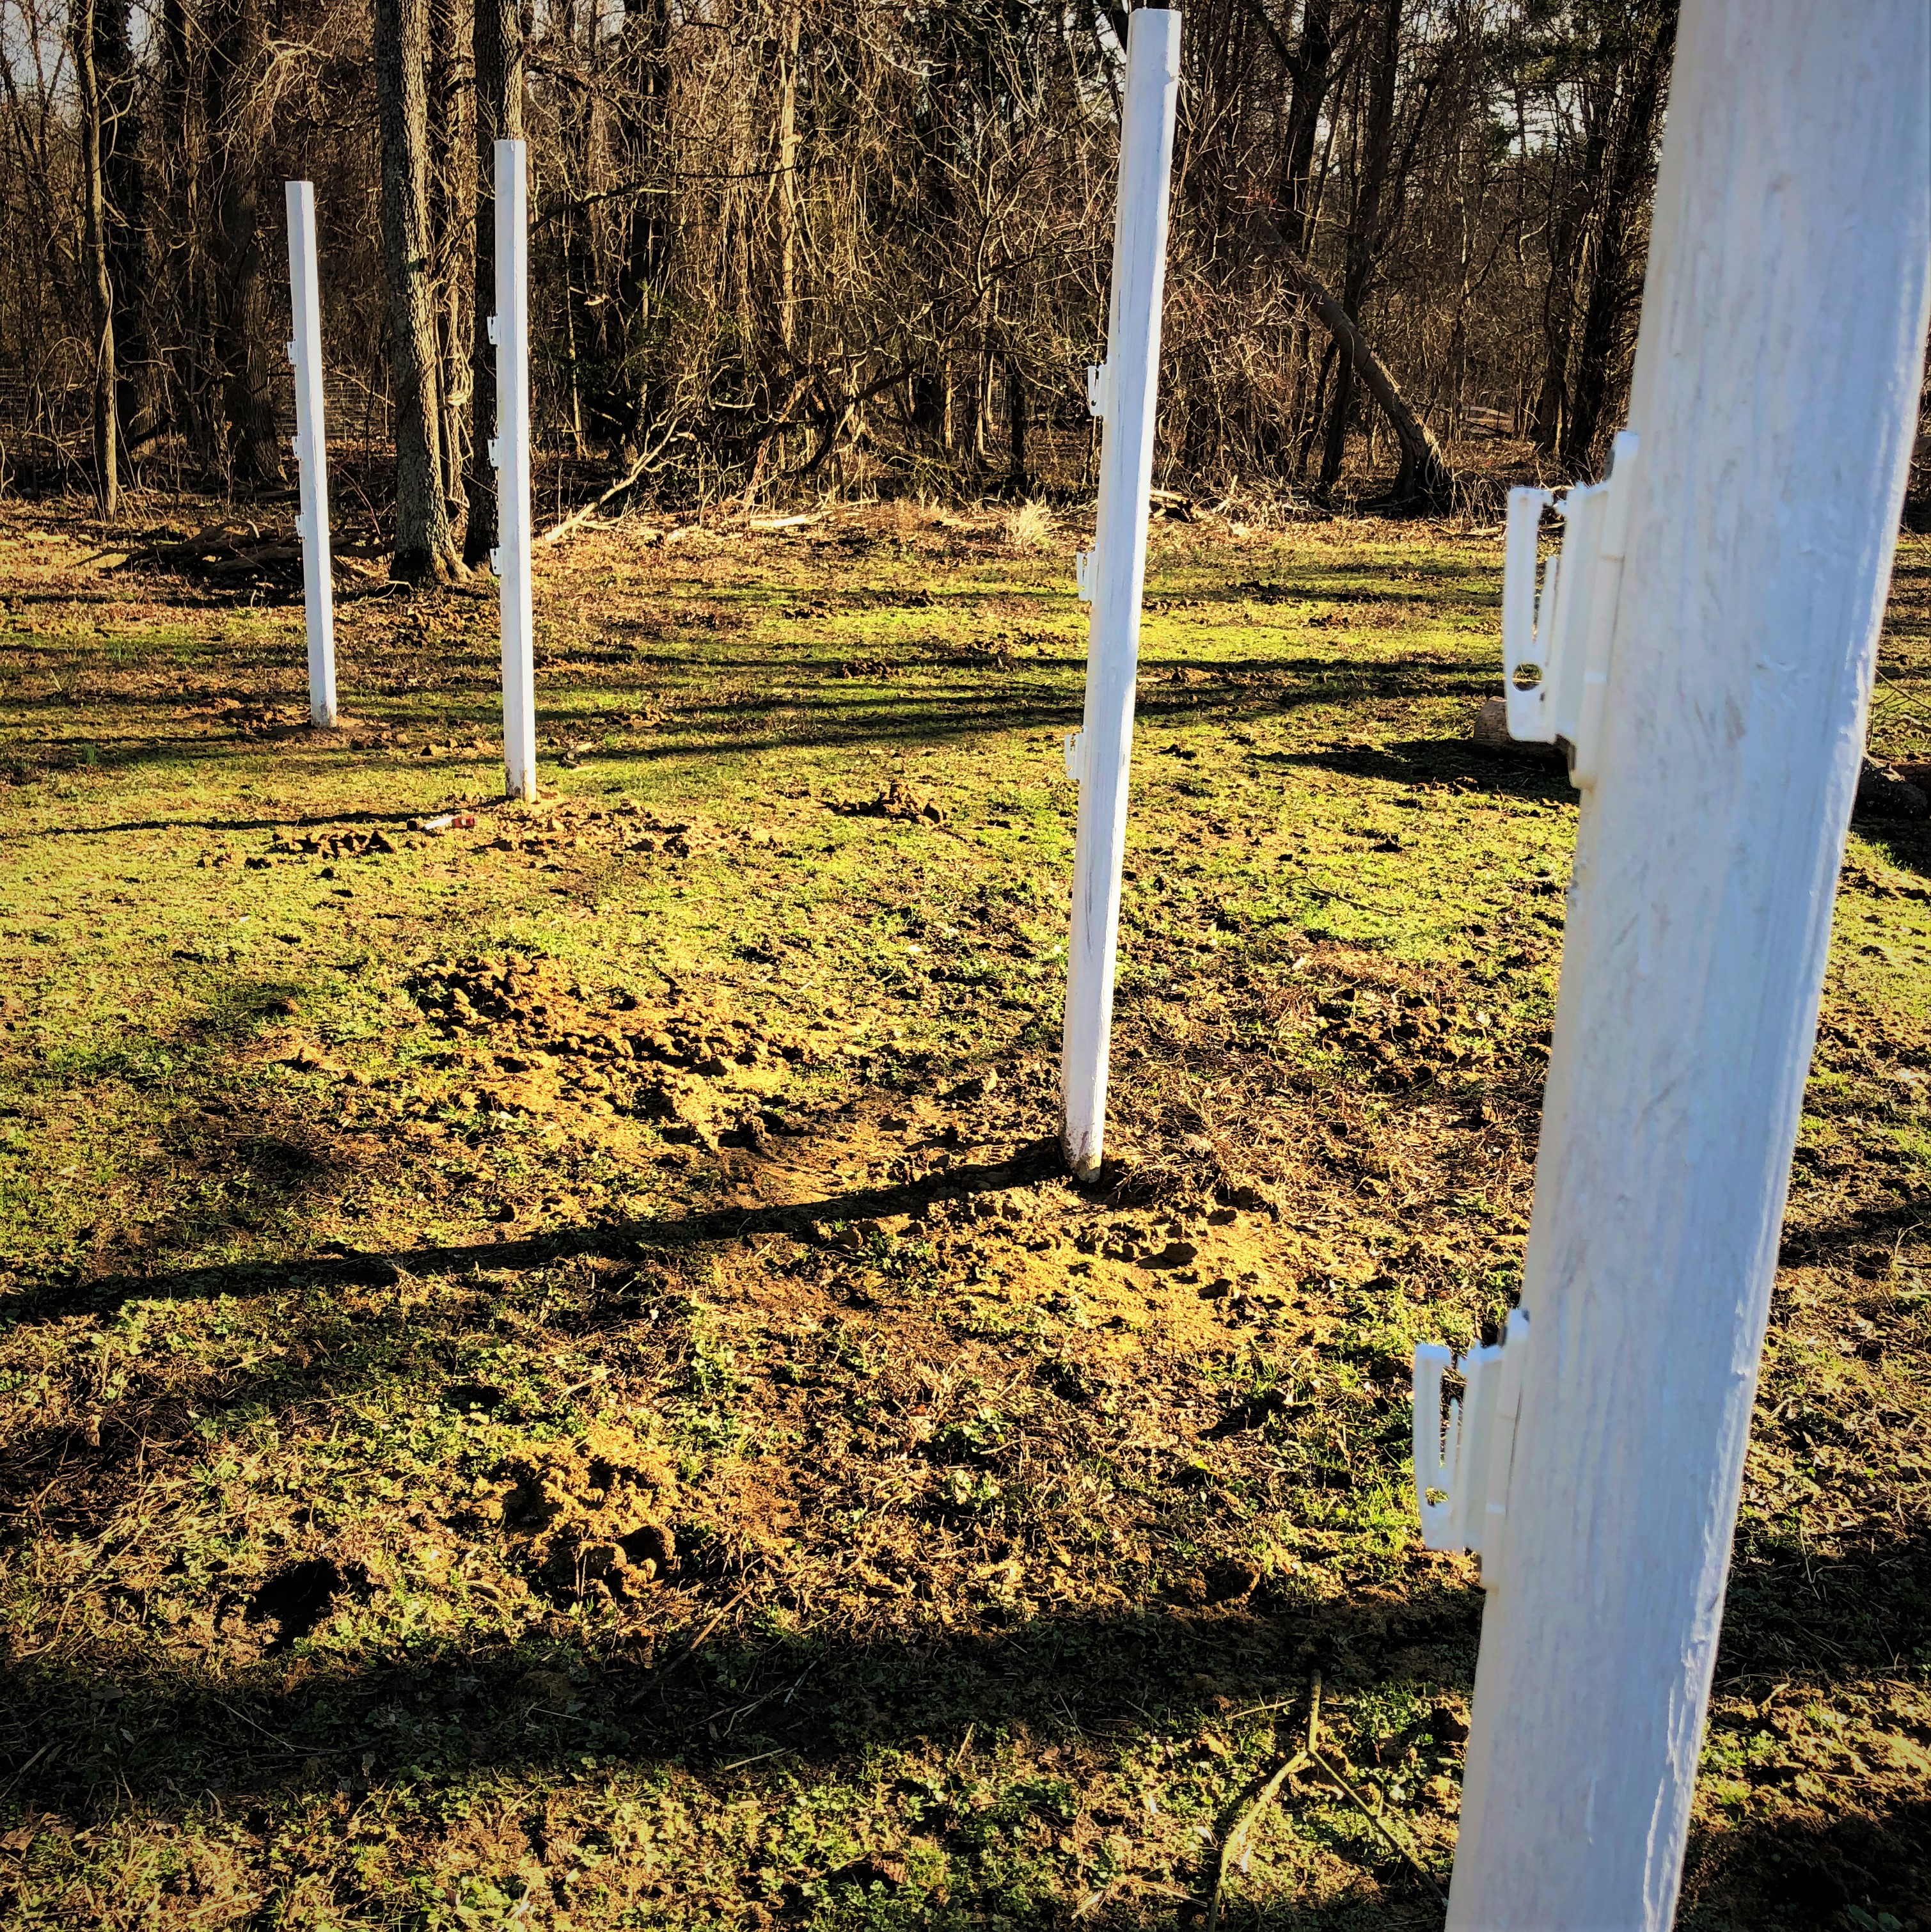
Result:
[1424,477]
[787,175]
[499,56]
[424,549]
[1310,72]
[236,293]
[106,453]
[646,53]
[1017,407]
[1632,159]
[1363,228]
[184,101]
[448,203]
[125,187]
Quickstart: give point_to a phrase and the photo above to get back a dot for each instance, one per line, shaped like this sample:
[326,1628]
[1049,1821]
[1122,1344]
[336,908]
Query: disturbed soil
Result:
[550,1371]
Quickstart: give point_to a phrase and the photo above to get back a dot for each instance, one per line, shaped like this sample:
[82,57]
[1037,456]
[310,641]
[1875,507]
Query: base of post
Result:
[1083,1162]
[322,718]
[526,791]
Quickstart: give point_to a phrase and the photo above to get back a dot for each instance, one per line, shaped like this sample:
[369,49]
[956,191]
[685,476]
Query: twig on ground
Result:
[1328,1770]
[1235,1842]
[690,1650]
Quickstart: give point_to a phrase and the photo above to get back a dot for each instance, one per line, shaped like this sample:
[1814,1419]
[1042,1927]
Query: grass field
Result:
[550,1375]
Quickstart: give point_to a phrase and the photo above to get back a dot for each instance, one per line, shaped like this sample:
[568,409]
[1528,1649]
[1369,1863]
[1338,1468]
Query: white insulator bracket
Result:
[1558,638]
[496,453]
[491,327]
[1075,750]
[1462,1472]
[1097,375]
[1086,572]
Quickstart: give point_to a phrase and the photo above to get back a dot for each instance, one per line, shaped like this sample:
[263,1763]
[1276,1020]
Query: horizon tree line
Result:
[774,253]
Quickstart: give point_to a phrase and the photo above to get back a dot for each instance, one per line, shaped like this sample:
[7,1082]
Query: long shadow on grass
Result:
[1171,688]
[743,1716]
[52,1300]
[1906,843]
[1452,760]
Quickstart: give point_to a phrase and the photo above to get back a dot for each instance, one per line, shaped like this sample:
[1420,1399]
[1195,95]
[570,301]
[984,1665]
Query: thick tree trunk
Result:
[236,293]
[1364,227]
[646,134]
[424,549]
[788,174]
[498,56]
[1018,407]
[1424,477]
[1632,157]
[192,382]
[107,452]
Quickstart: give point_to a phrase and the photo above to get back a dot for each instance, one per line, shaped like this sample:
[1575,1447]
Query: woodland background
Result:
[777,251]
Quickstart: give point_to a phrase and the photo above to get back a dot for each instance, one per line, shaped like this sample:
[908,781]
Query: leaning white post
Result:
[509,451]
[1124,393]
[1774,398]
[311,451]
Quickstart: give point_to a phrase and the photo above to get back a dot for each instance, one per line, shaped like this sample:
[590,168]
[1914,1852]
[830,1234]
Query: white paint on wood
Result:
[1116,572]
[311,451]
[511,453]
[1775,395]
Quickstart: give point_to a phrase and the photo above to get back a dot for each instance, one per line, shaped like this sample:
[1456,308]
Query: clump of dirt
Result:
[342,844]
[899,800]
[251,718]
[570,826]
[593,1515]
[708,1073]
[1409,1038]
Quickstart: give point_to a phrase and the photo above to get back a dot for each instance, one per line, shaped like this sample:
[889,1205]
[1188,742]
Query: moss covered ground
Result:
[550,1374]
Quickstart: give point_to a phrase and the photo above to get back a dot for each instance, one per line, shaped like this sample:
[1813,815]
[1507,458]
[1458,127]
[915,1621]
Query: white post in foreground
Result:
[1774,398]
[509,451]
[1123,393]
[311,451]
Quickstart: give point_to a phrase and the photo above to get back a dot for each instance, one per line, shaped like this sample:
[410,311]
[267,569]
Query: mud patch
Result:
[593,1517]
[535,1038]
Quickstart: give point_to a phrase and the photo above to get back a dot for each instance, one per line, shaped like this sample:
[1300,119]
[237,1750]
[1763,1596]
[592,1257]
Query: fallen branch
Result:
[1424,474]
[577,519]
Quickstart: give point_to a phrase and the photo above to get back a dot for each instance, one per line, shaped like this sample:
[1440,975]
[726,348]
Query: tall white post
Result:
[1124,394]
[1775,392]
[509,330]
[311,451]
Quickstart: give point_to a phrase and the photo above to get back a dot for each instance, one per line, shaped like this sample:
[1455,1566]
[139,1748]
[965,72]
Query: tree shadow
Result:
[1906,842]
[1457,761]
[736,1715]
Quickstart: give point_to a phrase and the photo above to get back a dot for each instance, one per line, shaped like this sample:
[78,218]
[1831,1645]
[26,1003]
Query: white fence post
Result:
[1124,394]
[311,451]
[509,330]
[1773,404]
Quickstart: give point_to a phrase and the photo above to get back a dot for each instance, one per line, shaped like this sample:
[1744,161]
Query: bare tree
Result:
[498,46]
[106,453]
[236,291]
[425,550]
